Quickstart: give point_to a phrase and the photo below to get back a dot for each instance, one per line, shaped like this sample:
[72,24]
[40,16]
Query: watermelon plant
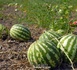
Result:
[3,31]
[20,32]
[43,53]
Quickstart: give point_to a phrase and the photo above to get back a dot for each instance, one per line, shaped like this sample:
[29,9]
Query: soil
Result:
[12,52]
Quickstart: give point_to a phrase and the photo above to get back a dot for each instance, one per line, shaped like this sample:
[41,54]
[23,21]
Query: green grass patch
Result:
[46,13]
[49,13]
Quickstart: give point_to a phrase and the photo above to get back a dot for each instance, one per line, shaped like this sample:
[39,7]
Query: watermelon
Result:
[3,31]
[68,44]
[20,32]
[43,53]
[50,35]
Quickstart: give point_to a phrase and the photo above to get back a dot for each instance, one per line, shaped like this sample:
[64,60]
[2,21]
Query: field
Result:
[38,17]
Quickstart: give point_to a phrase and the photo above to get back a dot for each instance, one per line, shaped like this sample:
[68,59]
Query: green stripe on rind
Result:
[21,28]
[20,32]
[16,35]
[54,34]
[66,43]
[30,55]
[73,49]
[34,59]
[50,35]
[34,55]
[62,40]
[69,43]
[44,56]
[47,55]
[25,30]
[35,51]
[56,50]
[53,50]
[49,51]
[39,59]
[37,48]
[19,25]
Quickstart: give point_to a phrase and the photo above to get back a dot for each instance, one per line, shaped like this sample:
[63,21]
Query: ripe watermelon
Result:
[43,53]
[68,44]
[20,32]
[50,35]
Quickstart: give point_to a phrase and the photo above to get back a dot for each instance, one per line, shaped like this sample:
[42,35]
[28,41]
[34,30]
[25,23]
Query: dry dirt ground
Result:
[12,52]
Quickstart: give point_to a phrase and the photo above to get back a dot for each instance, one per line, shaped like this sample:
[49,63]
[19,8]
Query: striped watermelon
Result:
[50,35]
[43,53]
[20,32]
[68,44]
[3,31]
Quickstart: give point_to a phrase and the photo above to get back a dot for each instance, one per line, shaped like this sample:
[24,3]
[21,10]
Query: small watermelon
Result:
[20,32]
